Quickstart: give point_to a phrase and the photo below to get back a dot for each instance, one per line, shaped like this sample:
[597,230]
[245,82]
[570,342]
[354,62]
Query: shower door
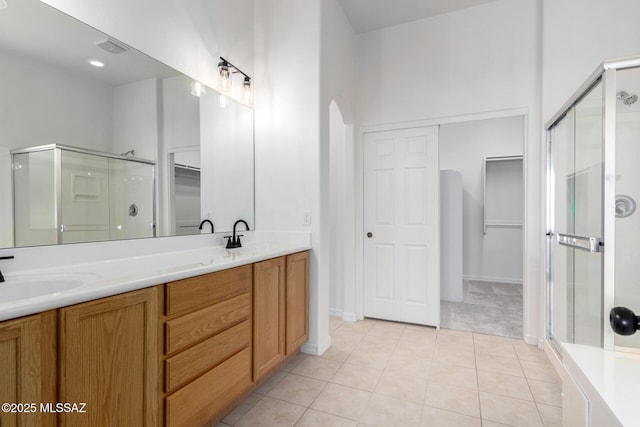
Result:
[575,175]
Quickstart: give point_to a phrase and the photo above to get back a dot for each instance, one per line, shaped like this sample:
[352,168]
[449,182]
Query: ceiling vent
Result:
[112,46]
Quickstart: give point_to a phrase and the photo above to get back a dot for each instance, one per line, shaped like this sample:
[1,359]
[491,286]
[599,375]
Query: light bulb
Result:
[225,76]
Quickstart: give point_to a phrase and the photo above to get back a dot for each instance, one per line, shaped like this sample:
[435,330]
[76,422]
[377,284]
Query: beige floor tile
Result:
[452,398]
[271,382]
[344,344]
[434,417]
[342,401]
[317,367]
[359,327]
[297,389]
[425,346]
[540,371]
[292,363]
[405,387]
[356,376]
[270,412]
[389,411]
[453,375]
[313,418]
[337,353]
[497,347]
[369,358]
[347,336]
[430,330]
[387,330]
[455,342]
[546,392]
[455,333]
[505,385]
[454,357]
[530,352]
[382,342]
[409,365]
[244,407]
[334,322]
[507,410]
[500,365]
[487,423]
[551,415]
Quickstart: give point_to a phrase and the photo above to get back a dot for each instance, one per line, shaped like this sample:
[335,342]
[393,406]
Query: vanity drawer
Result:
[194,327]
[187,365]
[204,398]
[207,289]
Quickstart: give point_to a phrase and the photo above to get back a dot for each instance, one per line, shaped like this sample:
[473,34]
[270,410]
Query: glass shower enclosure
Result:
[65,194]
[593,180]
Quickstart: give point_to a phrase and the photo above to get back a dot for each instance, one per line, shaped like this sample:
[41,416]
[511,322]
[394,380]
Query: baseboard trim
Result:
[349,317]
[517,281]
[315,349]
[532,340]
[335,312]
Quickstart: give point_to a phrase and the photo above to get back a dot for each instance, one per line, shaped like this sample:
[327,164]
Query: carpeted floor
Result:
[487,307]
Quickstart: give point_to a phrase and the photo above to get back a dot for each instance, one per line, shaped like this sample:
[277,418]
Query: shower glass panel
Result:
[627,194]
[68,195]
[593,223]
[576,151]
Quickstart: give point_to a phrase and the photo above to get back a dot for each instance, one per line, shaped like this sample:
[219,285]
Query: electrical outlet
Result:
[306,218]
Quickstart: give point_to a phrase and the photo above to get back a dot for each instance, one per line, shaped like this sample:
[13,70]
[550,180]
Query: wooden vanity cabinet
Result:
[297,305]
[108,359]
[28,367]
[268,315]
[280,310]
[206,363]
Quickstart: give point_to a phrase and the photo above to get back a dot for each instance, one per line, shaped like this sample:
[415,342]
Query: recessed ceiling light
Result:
[96,63]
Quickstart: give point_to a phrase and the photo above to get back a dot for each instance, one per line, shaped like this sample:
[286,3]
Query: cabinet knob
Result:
[369,234]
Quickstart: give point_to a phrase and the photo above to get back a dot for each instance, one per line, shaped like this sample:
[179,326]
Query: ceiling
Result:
[33,29]
[370,15]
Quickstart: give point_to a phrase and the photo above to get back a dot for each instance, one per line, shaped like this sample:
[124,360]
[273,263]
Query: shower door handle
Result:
[589,244]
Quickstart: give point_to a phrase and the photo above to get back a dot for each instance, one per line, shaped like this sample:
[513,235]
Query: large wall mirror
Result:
[100,142]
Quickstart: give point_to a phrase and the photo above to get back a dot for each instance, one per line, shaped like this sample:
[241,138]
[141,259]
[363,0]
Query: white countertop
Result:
[614,375]
[114,276]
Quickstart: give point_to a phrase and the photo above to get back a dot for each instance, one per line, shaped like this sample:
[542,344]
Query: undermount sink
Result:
[17,288]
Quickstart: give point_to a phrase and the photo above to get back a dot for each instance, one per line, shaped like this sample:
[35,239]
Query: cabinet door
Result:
[108,360]
[27,367]
[268,315]
[297,311]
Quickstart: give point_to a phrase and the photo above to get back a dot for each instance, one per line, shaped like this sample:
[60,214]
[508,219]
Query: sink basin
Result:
[18,288]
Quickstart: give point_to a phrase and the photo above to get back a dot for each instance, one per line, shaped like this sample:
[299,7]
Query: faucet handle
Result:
[238,243]
[230,244]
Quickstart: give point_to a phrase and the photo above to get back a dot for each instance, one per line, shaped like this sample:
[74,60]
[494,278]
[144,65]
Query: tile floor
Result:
[391,374]
[486,307]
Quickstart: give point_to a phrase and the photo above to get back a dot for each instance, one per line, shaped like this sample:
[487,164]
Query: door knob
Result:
[624,321]
[369,234]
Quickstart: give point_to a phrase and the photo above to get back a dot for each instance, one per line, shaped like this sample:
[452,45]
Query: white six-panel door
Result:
[401,219]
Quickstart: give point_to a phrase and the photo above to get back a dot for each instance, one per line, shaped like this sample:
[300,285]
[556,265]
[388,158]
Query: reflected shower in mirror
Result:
[100,142]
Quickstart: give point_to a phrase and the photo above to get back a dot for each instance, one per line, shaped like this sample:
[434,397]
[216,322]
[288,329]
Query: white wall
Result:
[497,255]
[578,36]
[337,157]
[187,35]
[287,136]
[45,99]
[476,60]
[136,118]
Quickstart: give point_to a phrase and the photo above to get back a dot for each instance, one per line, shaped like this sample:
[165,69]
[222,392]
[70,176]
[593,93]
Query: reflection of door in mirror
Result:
[185,191]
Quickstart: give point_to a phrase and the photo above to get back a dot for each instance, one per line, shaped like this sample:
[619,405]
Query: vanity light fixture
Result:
[225,75]
[96,63]
[227,70]
[246,89]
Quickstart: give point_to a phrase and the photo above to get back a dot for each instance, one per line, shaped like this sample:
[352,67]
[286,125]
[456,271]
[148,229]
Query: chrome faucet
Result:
[4,257]
[234,241]
[202,224]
